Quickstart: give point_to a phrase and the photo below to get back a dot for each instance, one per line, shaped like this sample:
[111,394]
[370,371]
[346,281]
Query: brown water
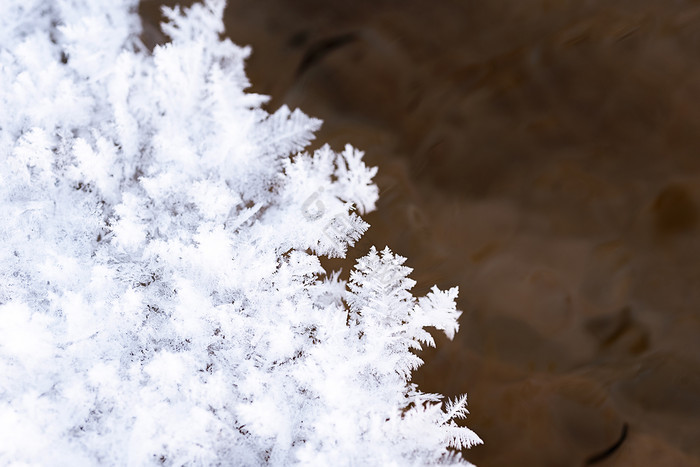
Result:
[545,157]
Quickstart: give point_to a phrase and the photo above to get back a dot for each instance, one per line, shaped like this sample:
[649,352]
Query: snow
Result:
[161,295]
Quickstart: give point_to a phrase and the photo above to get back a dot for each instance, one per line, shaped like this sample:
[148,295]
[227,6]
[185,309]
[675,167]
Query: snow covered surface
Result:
[161,295]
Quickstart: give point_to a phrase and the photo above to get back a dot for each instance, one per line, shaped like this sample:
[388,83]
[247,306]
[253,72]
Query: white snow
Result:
[161,295]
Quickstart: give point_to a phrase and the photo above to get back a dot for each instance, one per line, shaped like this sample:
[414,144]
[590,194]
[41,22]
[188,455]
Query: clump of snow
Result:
[161,295]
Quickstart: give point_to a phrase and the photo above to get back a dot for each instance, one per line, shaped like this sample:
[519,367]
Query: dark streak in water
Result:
[322,48]
[609,451]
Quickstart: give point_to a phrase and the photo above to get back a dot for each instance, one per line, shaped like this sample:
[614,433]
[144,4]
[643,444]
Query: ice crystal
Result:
[161,295]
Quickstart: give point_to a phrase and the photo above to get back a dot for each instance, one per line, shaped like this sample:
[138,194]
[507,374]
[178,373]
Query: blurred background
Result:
[544,156]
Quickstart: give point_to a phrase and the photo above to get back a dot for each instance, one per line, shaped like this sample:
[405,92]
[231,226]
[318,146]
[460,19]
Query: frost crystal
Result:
[161,295]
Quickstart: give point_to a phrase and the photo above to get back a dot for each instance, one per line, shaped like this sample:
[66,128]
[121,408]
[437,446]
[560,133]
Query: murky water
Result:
[545,157]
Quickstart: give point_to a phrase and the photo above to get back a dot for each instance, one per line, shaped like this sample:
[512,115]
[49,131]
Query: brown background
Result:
[545,157]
